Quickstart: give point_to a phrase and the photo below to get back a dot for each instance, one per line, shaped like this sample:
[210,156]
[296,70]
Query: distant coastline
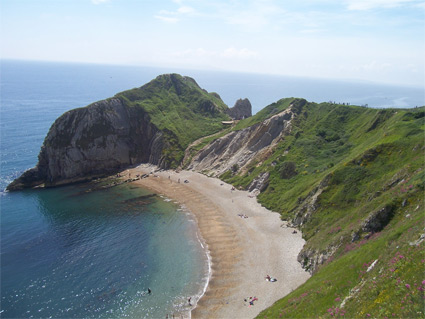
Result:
[260,89]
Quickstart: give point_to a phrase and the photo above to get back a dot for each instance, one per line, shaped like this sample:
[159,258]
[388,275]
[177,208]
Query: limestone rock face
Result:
[241,110]
[260,183]
[90,141]
[241,147]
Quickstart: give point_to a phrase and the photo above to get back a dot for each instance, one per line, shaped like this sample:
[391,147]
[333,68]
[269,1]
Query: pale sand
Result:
[243,250]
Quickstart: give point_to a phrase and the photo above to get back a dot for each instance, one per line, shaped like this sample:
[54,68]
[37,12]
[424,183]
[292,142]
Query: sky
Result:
[367,40]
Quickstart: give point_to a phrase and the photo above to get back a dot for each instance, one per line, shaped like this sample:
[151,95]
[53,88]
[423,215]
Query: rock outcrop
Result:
[308,205]
[260,183]
[92,141]
[241,110]
[241,147]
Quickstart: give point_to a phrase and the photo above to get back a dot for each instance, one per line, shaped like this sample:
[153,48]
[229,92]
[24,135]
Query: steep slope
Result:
[237,149]
[352,179]
[153,123]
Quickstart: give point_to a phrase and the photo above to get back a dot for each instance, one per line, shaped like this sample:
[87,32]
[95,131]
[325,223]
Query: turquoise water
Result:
[66,253]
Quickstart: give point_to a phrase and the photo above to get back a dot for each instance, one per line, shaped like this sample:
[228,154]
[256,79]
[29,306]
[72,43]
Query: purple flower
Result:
[423,282]
[407,286]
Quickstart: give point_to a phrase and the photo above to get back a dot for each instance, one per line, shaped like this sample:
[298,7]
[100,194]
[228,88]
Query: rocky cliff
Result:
[241,110]
[237,149]
[147,124]
[91,141]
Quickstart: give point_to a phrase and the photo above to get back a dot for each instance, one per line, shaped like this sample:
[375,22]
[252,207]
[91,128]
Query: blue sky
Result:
[371,40]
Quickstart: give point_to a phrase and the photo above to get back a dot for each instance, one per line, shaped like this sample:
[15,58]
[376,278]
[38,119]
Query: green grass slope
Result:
[179,108]
[353,179]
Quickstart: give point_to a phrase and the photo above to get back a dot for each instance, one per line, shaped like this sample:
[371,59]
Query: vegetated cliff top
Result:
[352,179]
[177,103]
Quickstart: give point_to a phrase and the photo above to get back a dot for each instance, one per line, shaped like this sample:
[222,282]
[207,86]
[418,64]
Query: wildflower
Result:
[407,286]
[423,282]
[338,299]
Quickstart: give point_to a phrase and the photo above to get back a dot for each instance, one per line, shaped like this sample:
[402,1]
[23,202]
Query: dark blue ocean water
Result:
[70,254]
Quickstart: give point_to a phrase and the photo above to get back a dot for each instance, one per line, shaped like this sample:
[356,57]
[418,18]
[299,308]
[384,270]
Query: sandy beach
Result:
[243,249]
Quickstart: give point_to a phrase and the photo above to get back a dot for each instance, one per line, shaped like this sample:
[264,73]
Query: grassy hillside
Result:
[180,108]
[353,180]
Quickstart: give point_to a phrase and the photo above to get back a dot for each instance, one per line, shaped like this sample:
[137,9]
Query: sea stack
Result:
[241,110]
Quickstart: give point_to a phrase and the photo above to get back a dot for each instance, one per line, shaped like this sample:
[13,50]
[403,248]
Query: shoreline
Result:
[244,243]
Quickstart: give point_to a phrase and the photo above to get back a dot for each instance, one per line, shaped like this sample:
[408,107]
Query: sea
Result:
[70,253]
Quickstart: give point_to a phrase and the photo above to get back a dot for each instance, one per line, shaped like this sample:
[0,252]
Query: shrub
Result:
[288,170]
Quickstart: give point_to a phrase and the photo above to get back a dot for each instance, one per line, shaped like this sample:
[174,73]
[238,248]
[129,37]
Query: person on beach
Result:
[189,301]
[271,279]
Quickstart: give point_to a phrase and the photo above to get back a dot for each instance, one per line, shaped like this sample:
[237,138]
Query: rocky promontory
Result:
[150,124]
[91,141]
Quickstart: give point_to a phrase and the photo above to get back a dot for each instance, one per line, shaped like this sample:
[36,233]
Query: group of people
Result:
[178,181]
[271,279]
[242,216]
[251,300]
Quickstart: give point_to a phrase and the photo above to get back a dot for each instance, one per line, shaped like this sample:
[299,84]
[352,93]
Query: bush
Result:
[288,170]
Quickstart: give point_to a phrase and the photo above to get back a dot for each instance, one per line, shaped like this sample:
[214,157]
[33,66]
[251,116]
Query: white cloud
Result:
[372,4]
[175,16]
[376,66]
[311,31]
[229,53]
[241,53]
[185,10]
[420,5]
[99,1]
[168,19]
[253,15]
